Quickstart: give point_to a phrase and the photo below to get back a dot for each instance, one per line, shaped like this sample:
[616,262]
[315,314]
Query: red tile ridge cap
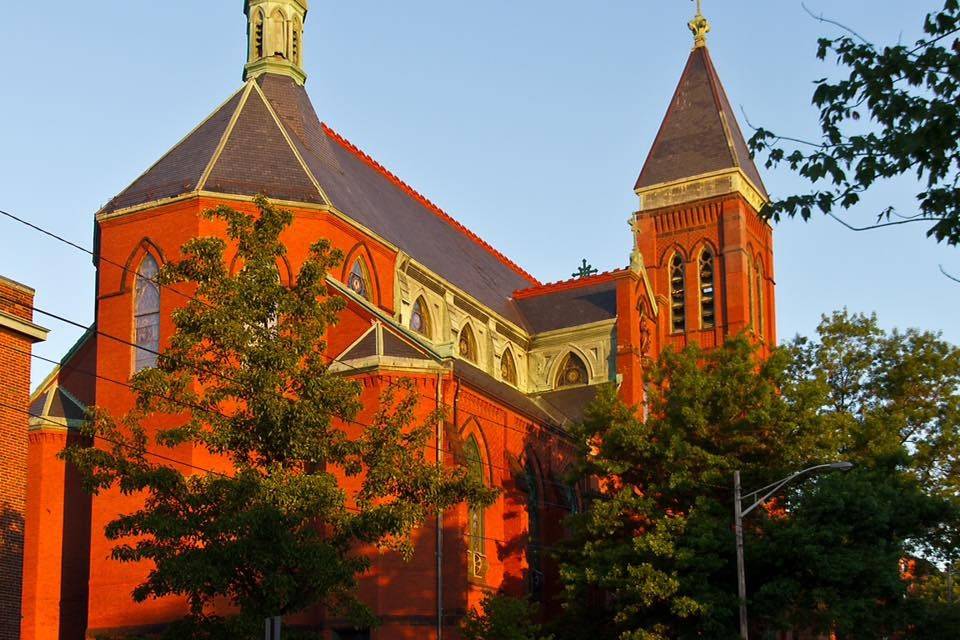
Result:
[572,283]
[423,200]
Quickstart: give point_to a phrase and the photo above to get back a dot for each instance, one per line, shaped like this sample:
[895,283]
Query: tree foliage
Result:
[896,113]
[502,617]
[245,384]
[653,557]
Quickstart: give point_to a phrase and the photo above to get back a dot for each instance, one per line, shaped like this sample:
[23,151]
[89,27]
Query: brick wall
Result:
[14,398]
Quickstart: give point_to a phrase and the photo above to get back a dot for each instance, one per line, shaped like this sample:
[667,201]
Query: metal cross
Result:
[585,270]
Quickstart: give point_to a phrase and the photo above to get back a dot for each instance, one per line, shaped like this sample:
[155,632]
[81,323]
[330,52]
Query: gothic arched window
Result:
[678,295]
[258,35]
[533,531]
[707,295]
[572,372]
[508,368]
[474,464]
[296,35]
[146,315]
[420,318]
[358,281]
[467,345]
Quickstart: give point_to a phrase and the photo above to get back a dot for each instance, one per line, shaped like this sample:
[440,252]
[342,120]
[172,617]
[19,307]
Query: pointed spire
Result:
[700,27]
[699,151]
[275,38]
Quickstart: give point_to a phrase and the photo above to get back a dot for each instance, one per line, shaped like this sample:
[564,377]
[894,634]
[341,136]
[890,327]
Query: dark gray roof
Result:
[256,158]
[699,133]
[61,406]
[569,307]
[572,403]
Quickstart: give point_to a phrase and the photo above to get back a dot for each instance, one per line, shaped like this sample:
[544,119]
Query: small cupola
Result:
[275,38]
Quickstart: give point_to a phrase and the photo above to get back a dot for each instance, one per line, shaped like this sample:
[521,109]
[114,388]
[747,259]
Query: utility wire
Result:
[189,297]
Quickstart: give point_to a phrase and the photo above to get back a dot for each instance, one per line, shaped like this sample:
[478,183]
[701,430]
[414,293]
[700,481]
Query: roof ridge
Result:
[227,132]
[426,202]
[289,140]
[570,283]
[174,148]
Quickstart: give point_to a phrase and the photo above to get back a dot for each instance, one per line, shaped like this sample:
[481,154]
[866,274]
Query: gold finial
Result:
[700,27]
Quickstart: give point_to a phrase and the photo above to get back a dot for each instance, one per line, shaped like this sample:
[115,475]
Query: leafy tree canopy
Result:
[653,557]
[896,113]
[272,529]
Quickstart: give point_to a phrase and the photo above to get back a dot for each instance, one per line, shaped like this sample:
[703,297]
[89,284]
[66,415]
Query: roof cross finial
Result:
[700,27]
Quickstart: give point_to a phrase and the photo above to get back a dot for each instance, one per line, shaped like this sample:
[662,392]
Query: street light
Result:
[739,512]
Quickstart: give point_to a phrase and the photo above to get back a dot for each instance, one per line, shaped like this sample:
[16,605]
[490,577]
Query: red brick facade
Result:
[17,335]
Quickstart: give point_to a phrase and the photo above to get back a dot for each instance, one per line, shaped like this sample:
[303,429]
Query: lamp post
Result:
[739,512]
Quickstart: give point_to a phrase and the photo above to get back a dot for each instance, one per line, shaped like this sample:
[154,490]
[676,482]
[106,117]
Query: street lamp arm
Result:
[779,484]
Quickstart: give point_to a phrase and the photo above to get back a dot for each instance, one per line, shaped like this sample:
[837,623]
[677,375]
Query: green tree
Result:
[653,556]
[895,113]
[503,617]
[273,530]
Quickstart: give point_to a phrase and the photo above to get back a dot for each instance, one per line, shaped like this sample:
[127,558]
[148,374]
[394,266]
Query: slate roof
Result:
[569,307]
[268,139]
[699,133]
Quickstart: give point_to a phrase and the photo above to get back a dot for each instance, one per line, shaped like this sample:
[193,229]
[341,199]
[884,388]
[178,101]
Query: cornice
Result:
[702,187]
[34,332]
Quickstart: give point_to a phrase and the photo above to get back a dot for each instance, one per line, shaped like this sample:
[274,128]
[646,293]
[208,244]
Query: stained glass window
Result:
[419,318]
[357,281]
[146,315]
[474,464]
[678,295]
[508,368]
[707,297]
[467,344]
[572,372]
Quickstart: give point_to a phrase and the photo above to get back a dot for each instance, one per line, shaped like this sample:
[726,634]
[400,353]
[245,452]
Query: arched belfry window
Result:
[533,530]
[678,295]
[296,35]
[707,269]
[572,371]
[146,315]
[258,35]
[420,318]
[358,281]
[508,368]
[467,345]
[477,527]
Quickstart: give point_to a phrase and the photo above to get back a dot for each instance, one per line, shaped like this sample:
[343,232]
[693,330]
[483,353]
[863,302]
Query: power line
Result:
[127,269]
[452,454]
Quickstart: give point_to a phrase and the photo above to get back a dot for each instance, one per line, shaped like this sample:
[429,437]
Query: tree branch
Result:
[944,272]
[821,18]
[882,225]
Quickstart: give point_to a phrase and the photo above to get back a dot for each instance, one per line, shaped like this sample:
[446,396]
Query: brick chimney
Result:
[18,333]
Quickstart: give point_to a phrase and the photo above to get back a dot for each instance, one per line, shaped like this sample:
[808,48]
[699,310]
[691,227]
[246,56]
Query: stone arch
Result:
[468,347]
[145,246]
[571,350]
[362,251]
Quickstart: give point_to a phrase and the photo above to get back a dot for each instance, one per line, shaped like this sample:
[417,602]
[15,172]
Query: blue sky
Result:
[527,121]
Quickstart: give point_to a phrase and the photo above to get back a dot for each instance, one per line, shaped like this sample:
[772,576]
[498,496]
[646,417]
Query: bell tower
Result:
[275,38]
[697,228]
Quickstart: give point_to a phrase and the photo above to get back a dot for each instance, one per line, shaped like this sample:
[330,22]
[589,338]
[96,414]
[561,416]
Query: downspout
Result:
[439,511]
[439,553]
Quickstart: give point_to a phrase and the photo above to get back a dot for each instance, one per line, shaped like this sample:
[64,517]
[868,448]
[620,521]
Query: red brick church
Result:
[514,360]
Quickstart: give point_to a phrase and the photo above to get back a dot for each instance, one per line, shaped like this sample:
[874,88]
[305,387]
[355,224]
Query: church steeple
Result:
[698,230]
[275,38]
[699,151]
